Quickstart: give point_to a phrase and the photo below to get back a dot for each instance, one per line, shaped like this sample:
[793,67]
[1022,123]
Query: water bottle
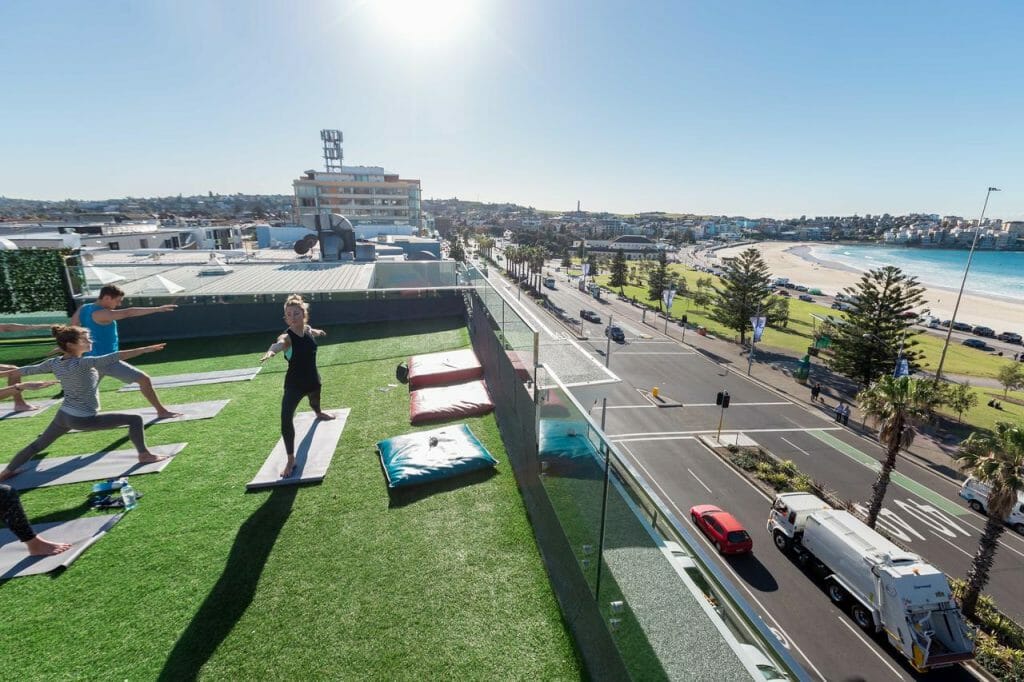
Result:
[108,486]
[128,496]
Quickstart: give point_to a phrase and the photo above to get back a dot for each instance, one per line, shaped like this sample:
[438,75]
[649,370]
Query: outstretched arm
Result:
[13,327]
[135,352]
[282,344]
[104,316]
[316,332]
[8,391]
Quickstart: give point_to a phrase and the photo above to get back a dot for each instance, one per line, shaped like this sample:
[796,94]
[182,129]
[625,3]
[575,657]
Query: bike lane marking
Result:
[899,479]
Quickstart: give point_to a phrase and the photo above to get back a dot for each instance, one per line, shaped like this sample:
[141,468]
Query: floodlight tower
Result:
[332,140]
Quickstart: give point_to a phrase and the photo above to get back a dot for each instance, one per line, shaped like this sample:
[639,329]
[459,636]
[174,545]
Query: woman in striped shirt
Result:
[79,377]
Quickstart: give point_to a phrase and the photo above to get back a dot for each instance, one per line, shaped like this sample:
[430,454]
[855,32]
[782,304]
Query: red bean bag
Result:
[437,403]
[447,367]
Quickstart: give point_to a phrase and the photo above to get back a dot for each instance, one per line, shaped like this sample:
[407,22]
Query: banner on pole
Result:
[902,369]
[586,269]
[667,296]
[758,323]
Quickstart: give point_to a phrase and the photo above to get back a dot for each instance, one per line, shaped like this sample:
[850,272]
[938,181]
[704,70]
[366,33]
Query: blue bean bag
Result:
[432,455]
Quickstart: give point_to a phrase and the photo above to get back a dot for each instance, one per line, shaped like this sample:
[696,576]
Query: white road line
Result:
[639,352]
[795,446]
[732,404]
[959,549]
[700,481]
[631,407]
[861,638]
[674,435]
[736,578]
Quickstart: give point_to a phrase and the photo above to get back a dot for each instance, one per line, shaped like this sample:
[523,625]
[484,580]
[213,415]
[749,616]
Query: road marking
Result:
[861,638]
[899,479]
[795,446]
[959,549]
[630,407]
[700,481]
[676,435]
[732,404]
[736,578]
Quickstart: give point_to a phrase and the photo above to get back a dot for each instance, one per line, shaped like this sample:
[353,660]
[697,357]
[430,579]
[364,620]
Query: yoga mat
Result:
[7,411]
[218,377]
[315,442]
[98,466]
[81,533]
[191,411]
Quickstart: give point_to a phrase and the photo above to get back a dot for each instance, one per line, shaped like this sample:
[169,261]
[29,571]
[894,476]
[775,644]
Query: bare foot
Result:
[38,546]
[24,407]
[149,457]
[289,468]
[324,417]
[7,473]
[167,414]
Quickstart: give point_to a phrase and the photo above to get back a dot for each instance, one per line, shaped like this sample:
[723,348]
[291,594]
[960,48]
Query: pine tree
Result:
[592,262]
[746,285]
[658,279]
[619,270]
[880,320]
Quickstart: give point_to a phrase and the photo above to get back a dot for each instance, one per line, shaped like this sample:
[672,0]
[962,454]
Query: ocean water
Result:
[995,273]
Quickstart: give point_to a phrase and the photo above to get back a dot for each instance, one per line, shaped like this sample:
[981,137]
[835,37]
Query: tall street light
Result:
[956,306]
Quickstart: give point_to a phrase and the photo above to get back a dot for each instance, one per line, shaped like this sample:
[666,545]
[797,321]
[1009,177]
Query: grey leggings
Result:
[65,422]
[13,514]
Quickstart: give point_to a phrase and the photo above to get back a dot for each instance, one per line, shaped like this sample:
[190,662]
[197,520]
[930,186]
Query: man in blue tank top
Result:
[100,318]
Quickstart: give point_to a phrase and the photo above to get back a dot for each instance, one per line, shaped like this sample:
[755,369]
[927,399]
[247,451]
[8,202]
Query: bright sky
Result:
[721,107]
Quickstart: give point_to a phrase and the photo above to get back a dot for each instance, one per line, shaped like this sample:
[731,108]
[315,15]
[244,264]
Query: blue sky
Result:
[752,108]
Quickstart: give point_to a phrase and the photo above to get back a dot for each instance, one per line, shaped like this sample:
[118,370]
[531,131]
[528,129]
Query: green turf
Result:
[330,581]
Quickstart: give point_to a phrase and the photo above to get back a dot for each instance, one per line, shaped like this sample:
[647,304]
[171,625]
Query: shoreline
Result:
[794,261]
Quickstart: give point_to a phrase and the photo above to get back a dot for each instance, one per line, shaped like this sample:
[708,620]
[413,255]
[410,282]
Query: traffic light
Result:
[683,319]
[722,399]
[725,400]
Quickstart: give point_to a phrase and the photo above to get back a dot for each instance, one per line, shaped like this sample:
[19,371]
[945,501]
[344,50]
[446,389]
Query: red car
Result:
[722,528]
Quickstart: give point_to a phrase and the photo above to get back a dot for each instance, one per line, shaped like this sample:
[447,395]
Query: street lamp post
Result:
[956,306]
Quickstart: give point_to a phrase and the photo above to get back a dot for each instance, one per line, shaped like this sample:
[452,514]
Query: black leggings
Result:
[64,422]
[289,403]
[13,514]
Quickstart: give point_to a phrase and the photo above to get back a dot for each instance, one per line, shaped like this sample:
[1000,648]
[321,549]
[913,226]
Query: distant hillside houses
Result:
[634,246]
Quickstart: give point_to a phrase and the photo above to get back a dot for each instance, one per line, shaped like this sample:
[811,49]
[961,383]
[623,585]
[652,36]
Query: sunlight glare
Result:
[423,21]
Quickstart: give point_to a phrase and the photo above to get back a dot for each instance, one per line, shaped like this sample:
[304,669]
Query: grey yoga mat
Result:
[190,411]
[7,411]
[315,442]
[81,533]
[218,377]
[40,473]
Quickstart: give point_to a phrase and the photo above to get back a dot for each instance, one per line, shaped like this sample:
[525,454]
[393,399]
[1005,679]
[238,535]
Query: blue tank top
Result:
[104,336]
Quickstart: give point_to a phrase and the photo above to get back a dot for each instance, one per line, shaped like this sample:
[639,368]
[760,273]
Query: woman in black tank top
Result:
[302,379]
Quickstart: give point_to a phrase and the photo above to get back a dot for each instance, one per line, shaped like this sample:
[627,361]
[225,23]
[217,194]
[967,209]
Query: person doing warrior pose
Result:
[302,379]
[79,377]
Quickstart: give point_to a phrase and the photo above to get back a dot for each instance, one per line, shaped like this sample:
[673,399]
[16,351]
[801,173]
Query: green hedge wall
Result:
[32,281]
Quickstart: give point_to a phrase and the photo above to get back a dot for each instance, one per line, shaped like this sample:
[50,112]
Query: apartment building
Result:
[363,194]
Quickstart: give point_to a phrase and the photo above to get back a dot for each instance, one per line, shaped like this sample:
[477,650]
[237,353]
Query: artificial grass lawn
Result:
[329,581]
[799,334]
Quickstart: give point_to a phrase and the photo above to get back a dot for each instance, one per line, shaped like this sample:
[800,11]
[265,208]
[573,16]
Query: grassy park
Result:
[331,581]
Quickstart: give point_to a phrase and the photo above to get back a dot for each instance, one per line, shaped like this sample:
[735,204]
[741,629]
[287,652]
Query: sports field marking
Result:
[903,481]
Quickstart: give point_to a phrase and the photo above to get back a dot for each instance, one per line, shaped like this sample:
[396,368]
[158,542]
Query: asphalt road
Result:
[922,509]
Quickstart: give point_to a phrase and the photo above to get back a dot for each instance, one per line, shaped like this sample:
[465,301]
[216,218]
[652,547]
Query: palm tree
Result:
[896,406]
[997,461]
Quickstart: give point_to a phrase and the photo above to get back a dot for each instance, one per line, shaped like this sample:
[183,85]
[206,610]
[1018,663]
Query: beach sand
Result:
[793,260]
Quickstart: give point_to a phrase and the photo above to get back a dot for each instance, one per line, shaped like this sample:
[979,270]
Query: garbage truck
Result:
[885,587]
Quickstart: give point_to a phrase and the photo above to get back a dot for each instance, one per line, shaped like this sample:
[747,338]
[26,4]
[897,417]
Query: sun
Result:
[424,21]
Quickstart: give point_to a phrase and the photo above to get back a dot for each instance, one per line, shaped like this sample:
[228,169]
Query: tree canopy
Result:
[746,286]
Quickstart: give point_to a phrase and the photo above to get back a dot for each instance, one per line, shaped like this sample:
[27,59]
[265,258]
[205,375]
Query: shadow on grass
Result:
[230,597]
[400,497]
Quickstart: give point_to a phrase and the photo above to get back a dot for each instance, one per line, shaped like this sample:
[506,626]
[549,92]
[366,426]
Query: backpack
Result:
[402,373]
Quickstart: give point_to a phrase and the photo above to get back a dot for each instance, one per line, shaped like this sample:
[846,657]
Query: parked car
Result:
[976,343]
[962,327]
[590,315]
[987,332]
[816,292]
[806,297]
[615,333]
[782,292]
[1010,337]
[800,287]
[945,324]
[722,528]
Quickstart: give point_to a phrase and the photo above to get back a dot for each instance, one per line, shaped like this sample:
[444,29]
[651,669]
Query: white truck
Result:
[887,589]
[976,493]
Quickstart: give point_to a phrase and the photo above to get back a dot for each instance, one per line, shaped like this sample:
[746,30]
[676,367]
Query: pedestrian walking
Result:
[815,392]
[846,415]
[839,411]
